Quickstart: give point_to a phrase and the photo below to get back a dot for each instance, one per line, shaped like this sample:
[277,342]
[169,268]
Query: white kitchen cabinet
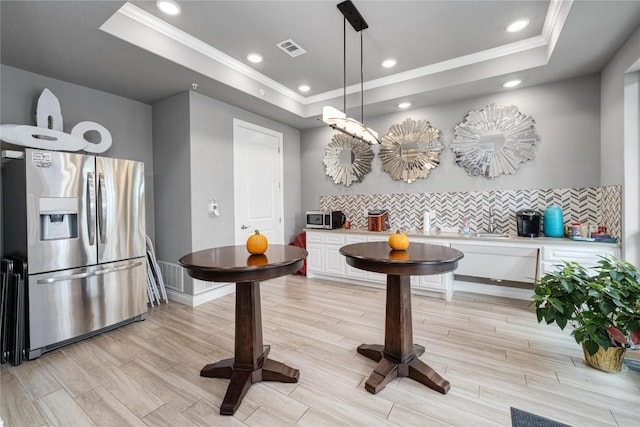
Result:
[315,259]
[441,283]
[516,259]
[373,276]
[324,254]
[580,252]
[355,273]
[334,261]
[325,261]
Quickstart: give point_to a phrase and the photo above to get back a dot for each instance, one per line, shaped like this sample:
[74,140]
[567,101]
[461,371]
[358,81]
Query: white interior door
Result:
[257,171]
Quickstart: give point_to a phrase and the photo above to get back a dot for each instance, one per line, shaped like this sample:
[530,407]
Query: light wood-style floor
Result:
[492,351]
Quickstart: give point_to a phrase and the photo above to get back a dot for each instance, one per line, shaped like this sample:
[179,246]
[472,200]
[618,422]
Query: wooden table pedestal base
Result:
[241,379]
[250,363]
[399,356]
[388,369]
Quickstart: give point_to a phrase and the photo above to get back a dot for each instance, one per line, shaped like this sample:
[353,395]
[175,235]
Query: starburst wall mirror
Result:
[347,160]
[494,141]
[410,150]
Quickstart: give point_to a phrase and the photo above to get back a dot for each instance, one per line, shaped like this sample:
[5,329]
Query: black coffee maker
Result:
[528,223]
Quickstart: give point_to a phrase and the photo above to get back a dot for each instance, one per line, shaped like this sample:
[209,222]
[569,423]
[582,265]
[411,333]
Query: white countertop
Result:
[472,238]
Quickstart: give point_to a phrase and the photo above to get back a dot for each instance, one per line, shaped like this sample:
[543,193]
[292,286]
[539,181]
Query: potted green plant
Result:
[603,307]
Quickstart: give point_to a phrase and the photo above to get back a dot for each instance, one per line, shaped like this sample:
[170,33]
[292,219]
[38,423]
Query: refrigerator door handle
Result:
[119,268]
[102,203]
[91,207]
[69,277]
[89,274]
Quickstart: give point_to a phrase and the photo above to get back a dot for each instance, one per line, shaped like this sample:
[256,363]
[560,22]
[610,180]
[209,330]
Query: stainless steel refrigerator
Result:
[79,222]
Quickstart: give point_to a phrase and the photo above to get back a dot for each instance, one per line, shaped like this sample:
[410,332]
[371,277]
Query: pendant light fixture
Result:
[335,118]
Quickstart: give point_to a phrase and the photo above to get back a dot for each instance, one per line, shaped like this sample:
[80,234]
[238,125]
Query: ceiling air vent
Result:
[291,48]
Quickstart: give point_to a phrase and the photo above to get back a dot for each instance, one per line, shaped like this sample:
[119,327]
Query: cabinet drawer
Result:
[356,238]
[314,236]
[553,257]
[334,239]
[581,255]
[498,262]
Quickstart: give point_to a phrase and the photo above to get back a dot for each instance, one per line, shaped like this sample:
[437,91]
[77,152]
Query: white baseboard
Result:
[194,300]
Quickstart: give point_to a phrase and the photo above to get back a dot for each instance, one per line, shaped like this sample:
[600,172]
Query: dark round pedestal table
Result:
[250,363]
[398,357]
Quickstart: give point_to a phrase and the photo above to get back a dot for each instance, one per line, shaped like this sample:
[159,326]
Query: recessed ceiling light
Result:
[517,25]
[404,105]
[512,83]
[304,88]
[169,7]
[254,57]
[388,63]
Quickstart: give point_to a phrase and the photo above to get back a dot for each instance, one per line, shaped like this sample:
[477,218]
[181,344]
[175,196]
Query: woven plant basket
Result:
[609,360]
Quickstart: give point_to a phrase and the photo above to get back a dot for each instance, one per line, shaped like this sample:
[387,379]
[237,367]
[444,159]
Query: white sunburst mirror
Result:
[410,150]
[494,141]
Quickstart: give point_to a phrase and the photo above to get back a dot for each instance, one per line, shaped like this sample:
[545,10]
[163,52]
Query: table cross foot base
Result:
[277,371]
[242,378]
[388,369]
[221,369]
[376,351]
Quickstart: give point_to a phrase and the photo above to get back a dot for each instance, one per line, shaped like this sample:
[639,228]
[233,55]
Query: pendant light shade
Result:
[335,118]
[339,121]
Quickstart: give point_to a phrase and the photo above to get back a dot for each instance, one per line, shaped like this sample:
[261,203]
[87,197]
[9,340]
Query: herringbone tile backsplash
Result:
[596,205]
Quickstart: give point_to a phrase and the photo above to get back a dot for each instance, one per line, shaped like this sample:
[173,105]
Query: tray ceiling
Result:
[445,50]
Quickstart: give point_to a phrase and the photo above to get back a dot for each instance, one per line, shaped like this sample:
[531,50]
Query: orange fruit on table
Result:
[257,243]
[398,241]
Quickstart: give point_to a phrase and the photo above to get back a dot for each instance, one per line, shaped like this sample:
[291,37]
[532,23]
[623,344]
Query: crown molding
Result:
[152,22]
[557,14]
[461,61]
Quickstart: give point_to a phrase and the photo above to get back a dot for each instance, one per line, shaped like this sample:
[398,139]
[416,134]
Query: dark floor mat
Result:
[520,418]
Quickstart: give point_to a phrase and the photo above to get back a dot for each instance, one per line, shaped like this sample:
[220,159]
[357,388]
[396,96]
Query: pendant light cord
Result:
[344,67]
[344,64]
[361,82]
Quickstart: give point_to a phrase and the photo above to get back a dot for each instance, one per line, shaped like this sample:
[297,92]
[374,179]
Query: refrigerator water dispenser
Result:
[58,218]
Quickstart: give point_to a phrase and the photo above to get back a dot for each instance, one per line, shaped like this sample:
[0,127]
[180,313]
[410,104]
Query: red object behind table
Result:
[301,241]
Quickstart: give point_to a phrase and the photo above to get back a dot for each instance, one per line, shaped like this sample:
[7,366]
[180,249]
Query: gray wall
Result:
[128,121]
[171,158]
[211,126]
[193,157]
[612,113]
[620,152]
[567,116]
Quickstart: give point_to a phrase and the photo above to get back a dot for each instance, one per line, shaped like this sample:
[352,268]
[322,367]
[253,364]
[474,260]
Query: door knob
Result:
[244,227]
